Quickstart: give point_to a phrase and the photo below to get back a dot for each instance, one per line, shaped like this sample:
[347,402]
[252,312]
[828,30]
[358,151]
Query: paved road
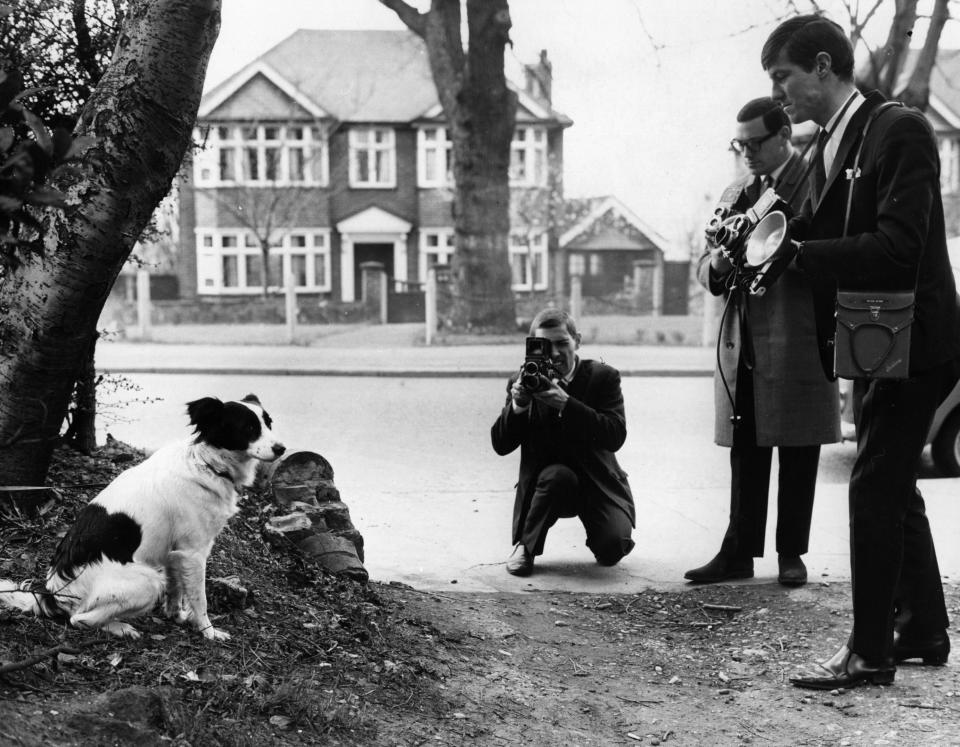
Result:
[412,460]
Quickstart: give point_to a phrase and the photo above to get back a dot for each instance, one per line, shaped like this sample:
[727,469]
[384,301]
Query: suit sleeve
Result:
[907,173]
[510,428]
[603,425]
[708,277]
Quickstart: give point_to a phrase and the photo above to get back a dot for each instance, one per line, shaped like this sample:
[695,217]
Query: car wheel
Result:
[946,447]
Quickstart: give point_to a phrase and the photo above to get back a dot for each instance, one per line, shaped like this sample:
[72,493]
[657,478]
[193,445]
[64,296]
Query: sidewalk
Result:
[360,350]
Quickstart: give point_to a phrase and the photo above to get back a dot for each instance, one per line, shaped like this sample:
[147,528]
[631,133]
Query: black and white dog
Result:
[147,536]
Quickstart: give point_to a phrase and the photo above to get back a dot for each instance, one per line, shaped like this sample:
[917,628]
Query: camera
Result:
[538,364]
[733,233]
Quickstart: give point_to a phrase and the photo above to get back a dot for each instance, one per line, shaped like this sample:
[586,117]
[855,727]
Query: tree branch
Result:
[63,648]
[414,19]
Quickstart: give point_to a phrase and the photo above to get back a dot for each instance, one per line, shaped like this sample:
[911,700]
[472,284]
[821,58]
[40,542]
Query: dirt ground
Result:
[320,660]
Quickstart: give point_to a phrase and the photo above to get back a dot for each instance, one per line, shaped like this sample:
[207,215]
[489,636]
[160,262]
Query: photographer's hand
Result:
[521,397]
[719,262]
[552,396]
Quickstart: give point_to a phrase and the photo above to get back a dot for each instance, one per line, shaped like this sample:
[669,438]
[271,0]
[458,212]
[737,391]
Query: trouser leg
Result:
[892,556]
[608,531]
[554,497]
[749,479]
[797,483]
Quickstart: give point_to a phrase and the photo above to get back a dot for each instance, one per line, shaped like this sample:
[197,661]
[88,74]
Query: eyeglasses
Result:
[752,145]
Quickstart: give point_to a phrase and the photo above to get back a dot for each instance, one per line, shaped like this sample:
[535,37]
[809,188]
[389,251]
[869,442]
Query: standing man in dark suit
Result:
[768,373]
[568,429]
[895,241]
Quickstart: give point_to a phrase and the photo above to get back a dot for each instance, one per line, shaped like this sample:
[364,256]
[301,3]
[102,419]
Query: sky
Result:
[652,86]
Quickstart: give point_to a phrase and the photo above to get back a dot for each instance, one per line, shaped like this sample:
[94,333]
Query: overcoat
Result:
[583,437]
[795,404]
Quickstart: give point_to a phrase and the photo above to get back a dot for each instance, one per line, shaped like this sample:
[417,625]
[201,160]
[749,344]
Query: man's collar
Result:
[573,372]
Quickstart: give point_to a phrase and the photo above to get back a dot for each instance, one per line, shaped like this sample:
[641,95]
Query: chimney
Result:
[539,77]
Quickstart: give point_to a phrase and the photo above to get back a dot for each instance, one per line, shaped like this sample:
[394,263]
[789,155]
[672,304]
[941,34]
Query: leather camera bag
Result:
[873,335]
[873,327]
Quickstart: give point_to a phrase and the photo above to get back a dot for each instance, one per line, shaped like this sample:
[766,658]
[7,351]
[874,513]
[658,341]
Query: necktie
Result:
[819,168]
[765,184]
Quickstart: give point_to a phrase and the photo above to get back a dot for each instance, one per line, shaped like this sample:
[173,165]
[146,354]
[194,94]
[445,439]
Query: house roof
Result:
[584,234]
[353,76]
[944,84]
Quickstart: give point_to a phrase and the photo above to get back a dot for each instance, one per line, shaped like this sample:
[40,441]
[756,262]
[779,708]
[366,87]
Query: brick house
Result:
[944,114]
[334,144]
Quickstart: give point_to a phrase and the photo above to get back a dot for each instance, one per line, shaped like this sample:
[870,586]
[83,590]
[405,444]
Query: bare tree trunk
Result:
[480,110]
[141,114]
[885,63]
[81,434]
[917,91]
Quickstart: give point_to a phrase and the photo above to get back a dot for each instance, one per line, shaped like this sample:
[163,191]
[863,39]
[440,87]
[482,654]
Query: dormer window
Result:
[372,157]
[528,157]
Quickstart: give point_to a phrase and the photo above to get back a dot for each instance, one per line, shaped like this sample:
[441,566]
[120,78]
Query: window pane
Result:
[518,267]
[229,242]
[250,240]
[430,165]
[276,270]
[296,165]
[298,240]
[320,270]
[207,240]
[254,271]
[363,166]
[230,272]
[298,266]
[248,133]
[295,133]
[271,133]
[251,164]
[223,133]
[537,269]
[518,170]
[227,165]
[383,167]
[272,163]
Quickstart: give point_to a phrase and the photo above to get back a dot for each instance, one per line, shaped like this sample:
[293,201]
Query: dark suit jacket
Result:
[584,437]
[896,239]
[794,404]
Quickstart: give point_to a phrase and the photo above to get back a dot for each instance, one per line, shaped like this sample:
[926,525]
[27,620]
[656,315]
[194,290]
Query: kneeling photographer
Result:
[768,386]
[567,416]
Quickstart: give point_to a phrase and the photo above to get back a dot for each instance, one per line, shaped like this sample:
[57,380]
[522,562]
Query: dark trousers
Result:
[893,562]
[558,496]
[750,486]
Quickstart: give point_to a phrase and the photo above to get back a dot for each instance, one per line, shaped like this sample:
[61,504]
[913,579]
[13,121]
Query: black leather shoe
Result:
[932,650]
[792,570]
[520,563]
[846,669]
[721,568]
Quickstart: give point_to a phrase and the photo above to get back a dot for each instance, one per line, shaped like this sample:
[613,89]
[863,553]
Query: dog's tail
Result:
[30,596]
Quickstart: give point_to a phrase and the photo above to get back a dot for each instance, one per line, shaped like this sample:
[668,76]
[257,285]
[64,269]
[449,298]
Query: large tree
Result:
[140,117]
[885,66]
[480,110]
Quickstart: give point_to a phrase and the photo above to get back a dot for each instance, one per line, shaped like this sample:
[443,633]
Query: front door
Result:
[382,253]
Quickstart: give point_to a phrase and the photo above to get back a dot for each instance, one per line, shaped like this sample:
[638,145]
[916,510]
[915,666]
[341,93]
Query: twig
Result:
[63,648]
[721,607]
[640,702]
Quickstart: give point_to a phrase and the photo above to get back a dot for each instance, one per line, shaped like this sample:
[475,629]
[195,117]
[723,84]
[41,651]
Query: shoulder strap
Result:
[856,161]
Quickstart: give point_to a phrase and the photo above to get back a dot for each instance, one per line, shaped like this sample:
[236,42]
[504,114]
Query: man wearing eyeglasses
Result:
[768,385]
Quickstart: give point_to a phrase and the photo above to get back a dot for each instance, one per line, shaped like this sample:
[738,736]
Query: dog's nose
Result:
[278,449]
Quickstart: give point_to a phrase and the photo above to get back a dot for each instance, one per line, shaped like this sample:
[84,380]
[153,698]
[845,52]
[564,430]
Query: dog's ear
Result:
[204,410]
[252,398]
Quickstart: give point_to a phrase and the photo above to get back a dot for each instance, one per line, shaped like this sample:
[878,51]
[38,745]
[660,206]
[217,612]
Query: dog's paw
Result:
[215,634]
[121,629]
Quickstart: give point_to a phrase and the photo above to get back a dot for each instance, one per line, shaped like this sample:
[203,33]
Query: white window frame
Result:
[522,248]
[528,157]
[211,253]
[388,146]
[442,147]
[443,249]
[950,164]
[311,140]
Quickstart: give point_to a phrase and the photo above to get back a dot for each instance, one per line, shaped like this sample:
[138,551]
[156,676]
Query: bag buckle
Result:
[874,313]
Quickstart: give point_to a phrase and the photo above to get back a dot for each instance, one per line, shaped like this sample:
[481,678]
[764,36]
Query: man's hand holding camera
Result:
[538,378]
